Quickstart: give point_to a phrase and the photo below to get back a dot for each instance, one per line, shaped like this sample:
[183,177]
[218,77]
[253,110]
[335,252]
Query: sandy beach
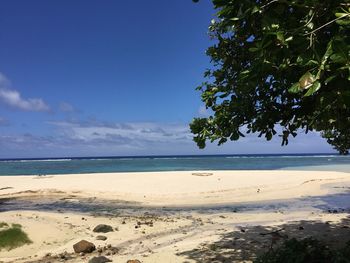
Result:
[175,131]
[179,188]
[186,216]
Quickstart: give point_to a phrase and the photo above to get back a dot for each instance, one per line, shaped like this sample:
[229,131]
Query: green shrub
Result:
[16,225]
[3,224]
[305,251]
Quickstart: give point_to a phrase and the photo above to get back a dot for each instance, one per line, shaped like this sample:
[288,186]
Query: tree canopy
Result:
[277,63]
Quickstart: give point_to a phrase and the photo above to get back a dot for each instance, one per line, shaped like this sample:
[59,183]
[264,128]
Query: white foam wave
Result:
[41,160]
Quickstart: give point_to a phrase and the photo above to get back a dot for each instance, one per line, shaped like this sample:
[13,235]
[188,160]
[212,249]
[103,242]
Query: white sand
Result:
[171,234]
[180,188]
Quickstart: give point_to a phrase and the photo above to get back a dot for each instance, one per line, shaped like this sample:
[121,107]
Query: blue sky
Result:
[88,78]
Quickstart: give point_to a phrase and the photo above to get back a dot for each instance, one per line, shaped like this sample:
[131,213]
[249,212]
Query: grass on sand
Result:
[12,237]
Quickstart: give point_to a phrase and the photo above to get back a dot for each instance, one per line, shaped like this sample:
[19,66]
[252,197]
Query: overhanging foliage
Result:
[278,63]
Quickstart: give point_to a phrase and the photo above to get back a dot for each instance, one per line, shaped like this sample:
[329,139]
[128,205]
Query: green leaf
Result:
[244,72]
[343,22]
[222,141]
[327,54]
[341,14]
[306,80]
[315,87]
[295,88]
[253,49]
[255,9]
[338,58]
[311,62]
[280,36]
[300,60]
[268,136]
[234,136]
[329,79]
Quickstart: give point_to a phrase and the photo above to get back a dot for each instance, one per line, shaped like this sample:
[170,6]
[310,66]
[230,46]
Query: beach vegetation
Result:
[3,224]
[12,237]
[279,68]
[305,251]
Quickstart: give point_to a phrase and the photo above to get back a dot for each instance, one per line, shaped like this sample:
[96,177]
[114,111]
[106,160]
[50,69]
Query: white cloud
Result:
[99,138]
[128,133]
[165,138]
[66,107]
[14,99]
[95,138]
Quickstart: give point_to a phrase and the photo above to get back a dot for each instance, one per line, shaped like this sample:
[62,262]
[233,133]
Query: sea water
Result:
[330,162]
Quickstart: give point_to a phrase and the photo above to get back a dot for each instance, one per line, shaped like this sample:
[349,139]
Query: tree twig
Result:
[328,23]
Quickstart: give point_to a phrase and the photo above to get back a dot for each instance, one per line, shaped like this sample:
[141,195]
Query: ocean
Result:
[321,162]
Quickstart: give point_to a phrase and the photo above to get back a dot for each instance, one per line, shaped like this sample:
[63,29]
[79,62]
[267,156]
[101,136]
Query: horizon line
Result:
[168,155]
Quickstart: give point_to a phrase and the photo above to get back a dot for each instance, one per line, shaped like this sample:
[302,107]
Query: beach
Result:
[180,216]
[175,131]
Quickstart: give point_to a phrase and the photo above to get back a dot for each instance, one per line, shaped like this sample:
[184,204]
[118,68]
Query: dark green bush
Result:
[305,251]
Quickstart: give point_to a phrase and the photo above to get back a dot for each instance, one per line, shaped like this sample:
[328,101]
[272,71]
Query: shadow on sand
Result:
[246,244]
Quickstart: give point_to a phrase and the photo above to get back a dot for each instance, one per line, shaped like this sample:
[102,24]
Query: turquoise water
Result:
[174,163]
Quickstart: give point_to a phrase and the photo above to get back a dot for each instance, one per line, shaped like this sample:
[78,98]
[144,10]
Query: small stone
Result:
[103,228]
[113,250]
[101,238]
[99,259]
[133,261]
[84,246]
